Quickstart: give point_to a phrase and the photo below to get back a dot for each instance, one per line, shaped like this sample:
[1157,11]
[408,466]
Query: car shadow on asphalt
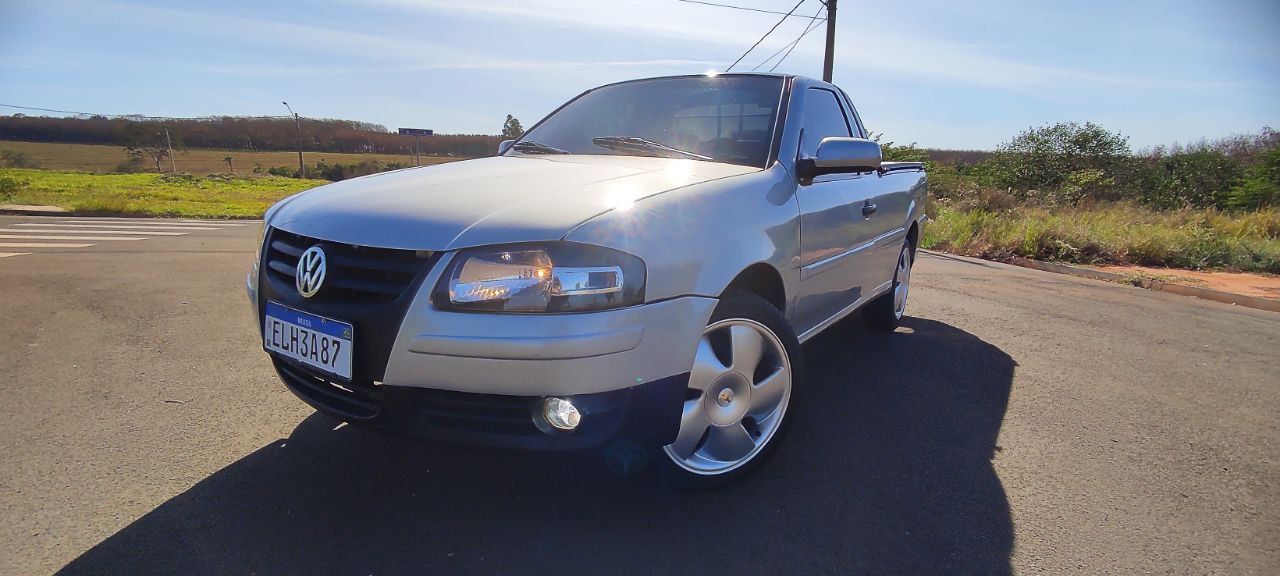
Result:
[887,472]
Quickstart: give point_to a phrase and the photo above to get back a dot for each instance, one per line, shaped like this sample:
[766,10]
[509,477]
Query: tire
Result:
[886,311]
[733,420]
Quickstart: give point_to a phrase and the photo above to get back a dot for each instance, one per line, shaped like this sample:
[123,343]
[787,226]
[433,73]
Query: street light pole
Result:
[302,168]
[831,41]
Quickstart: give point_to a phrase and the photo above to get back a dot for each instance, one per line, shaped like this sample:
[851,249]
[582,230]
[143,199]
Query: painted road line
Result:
[163,221]
[121,227]
[8,254]
[41,245]
[146,223]
[66,231]
[80,238]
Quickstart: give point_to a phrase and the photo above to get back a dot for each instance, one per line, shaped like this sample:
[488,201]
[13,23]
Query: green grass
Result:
[151,194]
[1111,234]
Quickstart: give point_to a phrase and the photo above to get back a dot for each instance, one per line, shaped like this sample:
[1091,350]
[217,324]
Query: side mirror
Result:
[504,146]
[838,155]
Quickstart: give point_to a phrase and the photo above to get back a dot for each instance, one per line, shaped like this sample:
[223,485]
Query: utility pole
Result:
[831,41]
[302,168]
[169,143]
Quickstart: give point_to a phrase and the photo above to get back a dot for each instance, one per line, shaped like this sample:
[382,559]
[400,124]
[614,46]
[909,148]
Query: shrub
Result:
[129,167]
[17,159]
[1050,157]
[9,187]
[1199,178]
[1262,187]
[179,178]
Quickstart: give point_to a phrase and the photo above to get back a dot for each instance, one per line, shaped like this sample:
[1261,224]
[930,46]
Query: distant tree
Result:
[892,152]
[236,133]
[1044,157]
[153,151]
[511,129]
[143,140]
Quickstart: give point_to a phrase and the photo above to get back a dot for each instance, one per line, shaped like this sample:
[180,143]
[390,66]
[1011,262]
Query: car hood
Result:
[485,201]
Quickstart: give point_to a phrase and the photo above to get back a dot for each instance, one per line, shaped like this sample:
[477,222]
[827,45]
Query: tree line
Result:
[240,133]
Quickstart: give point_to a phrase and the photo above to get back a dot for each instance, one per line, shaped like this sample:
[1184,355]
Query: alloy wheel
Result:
[737,397]
[902,283]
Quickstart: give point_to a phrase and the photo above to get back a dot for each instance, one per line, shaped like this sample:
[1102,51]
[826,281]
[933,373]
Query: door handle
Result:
[868,209]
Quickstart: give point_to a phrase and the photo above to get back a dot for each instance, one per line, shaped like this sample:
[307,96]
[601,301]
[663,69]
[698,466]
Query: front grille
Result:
[354,273]
[358,399]
[370,288]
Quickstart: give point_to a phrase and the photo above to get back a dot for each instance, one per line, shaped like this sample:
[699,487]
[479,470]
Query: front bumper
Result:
[648,414]
[480,378]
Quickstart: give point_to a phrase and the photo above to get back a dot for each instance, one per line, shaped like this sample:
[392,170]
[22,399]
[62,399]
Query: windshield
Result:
[722,119]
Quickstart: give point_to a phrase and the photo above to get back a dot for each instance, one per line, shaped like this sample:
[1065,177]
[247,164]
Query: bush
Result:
[10,186]
[337,171]
[129,167]
[1083,158]
[1200,178]
[1262,187]
[17,159]
[179,178]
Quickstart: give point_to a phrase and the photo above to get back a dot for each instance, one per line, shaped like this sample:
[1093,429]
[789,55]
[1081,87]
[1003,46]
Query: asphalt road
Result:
[1020,422]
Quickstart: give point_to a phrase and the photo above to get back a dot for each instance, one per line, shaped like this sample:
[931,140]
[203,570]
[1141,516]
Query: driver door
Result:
[835,227]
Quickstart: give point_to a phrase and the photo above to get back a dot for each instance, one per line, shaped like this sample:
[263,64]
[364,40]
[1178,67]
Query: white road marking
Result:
[8,254]
[41,245]
[122,227]
[67,231]
[163,221]
[79,238]
[137,222]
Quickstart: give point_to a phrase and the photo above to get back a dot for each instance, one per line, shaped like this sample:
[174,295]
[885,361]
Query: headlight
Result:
[257,256]
[545,277]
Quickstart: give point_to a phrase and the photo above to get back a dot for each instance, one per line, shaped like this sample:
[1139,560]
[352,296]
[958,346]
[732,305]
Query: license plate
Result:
[316,341]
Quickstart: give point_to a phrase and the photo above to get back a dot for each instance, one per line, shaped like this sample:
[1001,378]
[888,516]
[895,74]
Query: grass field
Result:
[104,158]
[152,194]
[1112,234]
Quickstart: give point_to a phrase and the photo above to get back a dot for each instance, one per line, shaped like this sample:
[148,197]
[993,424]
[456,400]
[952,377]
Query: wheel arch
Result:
[763,280]
[913,237]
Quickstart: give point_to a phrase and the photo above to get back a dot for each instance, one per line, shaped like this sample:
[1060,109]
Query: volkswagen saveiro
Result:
[642,264]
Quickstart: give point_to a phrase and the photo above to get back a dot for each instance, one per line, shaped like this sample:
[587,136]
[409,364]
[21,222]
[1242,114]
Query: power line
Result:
[745,8]
[136,116]
[813,23]
[766,35]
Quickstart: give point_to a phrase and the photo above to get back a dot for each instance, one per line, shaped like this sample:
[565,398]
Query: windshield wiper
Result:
[637,144]
[531,147]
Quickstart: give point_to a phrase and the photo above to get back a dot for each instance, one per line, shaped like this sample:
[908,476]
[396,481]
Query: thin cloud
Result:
[267,70]
[884,48]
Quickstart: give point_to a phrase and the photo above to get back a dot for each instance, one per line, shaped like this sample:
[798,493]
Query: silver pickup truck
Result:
[638,269]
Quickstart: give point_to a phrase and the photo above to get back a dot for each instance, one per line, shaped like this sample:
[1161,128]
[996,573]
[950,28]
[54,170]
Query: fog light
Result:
[560,413]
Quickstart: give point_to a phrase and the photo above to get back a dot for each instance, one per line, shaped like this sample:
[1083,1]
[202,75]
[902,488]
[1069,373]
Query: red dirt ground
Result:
[1258,285]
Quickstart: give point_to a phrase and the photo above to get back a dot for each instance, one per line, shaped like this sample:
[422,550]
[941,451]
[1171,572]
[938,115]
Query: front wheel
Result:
[886,311]
[741,391]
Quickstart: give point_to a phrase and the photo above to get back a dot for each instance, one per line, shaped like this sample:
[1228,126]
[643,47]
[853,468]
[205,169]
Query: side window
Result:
[855,121]
[822,118]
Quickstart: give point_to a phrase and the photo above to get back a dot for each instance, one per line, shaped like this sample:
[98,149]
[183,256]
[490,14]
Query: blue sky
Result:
[944,74]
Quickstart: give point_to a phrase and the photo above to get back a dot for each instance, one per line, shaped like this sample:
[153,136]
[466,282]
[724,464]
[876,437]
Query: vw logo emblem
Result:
[311,270]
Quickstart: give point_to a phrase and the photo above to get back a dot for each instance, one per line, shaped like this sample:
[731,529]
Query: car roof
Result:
[805,79]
